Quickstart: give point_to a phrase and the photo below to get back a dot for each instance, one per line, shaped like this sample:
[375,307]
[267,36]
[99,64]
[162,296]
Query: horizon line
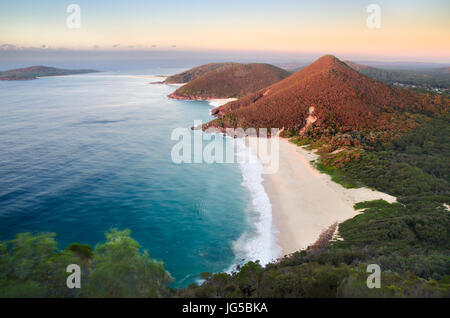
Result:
[285,54]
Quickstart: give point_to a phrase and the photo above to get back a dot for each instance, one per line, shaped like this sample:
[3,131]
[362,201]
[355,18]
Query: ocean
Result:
[85,153]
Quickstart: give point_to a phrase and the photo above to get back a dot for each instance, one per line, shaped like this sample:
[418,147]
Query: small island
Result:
[34,72]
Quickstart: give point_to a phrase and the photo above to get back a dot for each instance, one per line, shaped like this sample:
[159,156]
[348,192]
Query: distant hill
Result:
[292,67]
[328,96]
[33,72]
[235,80]
[195,73]
[432,78]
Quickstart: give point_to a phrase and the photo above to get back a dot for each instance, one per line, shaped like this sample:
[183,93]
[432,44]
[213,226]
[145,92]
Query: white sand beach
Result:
[305,202]
[221,101]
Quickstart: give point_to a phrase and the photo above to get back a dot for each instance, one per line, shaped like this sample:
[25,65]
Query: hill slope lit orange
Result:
[235,80]
[338,98]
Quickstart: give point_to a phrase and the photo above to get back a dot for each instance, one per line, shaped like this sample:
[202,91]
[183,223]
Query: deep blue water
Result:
[81,154]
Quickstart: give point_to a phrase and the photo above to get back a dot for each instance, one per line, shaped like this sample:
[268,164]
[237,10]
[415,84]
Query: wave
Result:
[259,242]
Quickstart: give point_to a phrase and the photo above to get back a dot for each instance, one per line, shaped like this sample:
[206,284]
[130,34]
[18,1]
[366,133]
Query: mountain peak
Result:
[341,98]
[328,58]
[327,62]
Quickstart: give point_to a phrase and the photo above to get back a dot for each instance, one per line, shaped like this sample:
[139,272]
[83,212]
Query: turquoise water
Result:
[81,154]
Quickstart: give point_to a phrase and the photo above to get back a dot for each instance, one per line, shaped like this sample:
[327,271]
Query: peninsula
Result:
[34,72]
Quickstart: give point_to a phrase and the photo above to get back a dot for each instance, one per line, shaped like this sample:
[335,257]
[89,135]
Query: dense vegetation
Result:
[341,99]
[393,140]
[34,72]
[410,240]
[32,266]
[430,78]
[235,80]
[195,73]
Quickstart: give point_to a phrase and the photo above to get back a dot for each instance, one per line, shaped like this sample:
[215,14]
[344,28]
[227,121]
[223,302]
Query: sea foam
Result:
[258,243]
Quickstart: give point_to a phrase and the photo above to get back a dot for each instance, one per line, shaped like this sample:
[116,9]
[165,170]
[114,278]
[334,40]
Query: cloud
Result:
[8,47]
[116,45]
[12,47]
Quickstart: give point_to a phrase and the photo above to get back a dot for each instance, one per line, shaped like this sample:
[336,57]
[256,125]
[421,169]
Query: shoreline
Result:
[306,202]
[303,202]
[216,102]
[262,243]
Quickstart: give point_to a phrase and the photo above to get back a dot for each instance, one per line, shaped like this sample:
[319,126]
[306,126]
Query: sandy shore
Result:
[221,101]
[305,202]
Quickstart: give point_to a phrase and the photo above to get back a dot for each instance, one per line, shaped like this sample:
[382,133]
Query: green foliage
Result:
[429,78]
[300,140]
[414,168]
[395,226]
[410,239]
[249,278]
[121,270]
[392,285]
[336,175]
[307,278]
[31,266]
[84,251]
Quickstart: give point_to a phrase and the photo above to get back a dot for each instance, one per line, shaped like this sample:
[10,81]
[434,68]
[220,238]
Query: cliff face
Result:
[231,81]
[341,98]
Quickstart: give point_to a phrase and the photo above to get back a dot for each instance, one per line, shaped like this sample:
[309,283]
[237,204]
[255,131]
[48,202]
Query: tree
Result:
[249,278]
[30,266]
[121,270]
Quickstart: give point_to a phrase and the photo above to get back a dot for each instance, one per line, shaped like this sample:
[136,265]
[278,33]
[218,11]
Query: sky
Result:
[409,30]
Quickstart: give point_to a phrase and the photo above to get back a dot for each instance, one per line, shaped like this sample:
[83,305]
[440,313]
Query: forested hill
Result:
[429,78]
[195,73]
[409,240]
[335,97]
[33,72]
[231,81]
[400,146]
